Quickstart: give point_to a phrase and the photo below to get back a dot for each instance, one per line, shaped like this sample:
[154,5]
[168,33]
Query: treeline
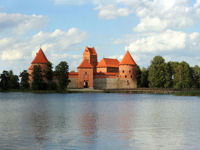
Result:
[161,74]
[42,78]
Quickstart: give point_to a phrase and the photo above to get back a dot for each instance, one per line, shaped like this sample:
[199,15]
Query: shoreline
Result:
[176,92]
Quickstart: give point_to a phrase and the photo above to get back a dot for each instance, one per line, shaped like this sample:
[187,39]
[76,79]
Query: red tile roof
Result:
[31,67]
[73,73]
[127,60]
[85,64]
[108,62]
[91,50]
[40,58]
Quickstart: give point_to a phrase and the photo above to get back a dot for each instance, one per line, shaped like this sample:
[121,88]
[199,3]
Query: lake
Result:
[98,122]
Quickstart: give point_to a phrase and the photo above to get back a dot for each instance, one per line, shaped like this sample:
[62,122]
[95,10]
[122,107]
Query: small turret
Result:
[40,59]
[127,67]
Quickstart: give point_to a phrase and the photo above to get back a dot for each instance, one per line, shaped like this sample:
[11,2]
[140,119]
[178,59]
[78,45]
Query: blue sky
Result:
[64,27]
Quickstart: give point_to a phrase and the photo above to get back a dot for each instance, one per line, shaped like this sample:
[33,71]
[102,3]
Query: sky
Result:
[63,28]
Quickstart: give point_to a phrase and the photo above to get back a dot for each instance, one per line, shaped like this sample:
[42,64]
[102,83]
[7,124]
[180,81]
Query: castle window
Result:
[123,71]
[129,71]
[131,76]
[85,73]
[125,76]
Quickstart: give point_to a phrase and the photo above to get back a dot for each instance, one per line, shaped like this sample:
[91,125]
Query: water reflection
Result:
[98,122]
[40,126]
[88,125]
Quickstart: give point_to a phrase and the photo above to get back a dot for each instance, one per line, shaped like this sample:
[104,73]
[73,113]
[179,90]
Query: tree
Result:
[37,78]
[183,76]
[62,74]
[196,76]
[138,76]
[49,76]
[159,73]
[13,80]
[168,76]
[49,72]
[144,78]
[4,84]
[24,84]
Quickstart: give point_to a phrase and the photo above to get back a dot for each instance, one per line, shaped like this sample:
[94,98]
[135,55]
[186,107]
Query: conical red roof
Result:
[40,58]
[85,64]
[127,60]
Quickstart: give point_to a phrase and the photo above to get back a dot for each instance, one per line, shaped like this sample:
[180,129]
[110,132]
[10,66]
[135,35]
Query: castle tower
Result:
[91,56]
[127,69]
[85,74]
[41,60]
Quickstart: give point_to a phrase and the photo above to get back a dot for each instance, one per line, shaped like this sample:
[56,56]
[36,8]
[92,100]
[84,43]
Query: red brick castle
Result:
[106,74]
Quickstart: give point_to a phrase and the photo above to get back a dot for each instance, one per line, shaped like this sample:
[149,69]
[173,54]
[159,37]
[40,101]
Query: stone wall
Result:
[114,83]
[73,83]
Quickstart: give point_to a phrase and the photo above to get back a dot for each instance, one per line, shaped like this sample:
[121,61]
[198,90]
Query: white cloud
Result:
[19,23]
[11,55]
[57,45]
[164,41]
[111,11]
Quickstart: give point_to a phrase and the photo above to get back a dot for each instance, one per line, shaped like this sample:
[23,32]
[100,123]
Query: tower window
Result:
[123,71]
[131,76]
[125,76]
[129,71]
[85,73]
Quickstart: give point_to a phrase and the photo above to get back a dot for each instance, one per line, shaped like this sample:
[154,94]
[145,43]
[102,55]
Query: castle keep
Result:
[107,74]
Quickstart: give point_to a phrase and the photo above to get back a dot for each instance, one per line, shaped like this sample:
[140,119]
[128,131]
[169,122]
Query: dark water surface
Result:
[98,122]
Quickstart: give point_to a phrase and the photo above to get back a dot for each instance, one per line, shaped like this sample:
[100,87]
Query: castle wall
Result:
[127,72]
[114,83]
[101,69]
[108,69]
[73,83]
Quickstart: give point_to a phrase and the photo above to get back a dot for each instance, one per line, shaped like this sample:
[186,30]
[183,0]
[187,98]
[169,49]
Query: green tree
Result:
[49,72]
[159,73]
[183,76]
[49,76]
[13,80]
[37,78]
[168,76]
[138,76]
[4,83]
[196,76]
[24,84]
[62,75]
[144,78]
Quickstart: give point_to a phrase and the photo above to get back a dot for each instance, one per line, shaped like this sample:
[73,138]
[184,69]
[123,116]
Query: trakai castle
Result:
[106,74]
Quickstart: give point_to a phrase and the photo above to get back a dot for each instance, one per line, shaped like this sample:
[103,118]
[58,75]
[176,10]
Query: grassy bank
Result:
[33,91]
[129,91]
[143,91]
[187,93]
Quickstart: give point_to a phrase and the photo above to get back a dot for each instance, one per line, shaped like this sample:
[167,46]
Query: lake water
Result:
[98,122]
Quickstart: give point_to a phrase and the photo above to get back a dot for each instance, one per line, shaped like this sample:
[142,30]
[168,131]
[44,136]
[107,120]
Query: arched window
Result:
[125,76]
[129,71]
[123,71]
